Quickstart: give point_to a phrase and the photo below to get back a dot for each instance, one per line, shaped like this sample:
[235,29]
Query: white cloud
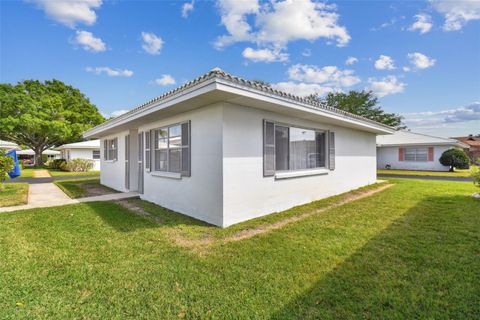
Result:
[386,86]
[350,61]
[462,114]
[89,42]
[384,63]
[110,72]
[165,80]
[187,7]
[330,76]
[151,43]
[423,23]
[70,12]
[265,55]
[302,89]
[420,61]
[457,13]
[279,22]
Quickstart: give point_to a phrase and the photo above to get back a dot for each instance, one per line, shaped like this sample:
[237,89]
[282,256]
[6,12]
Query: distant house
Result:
[7,145]
[28,154]
[224,150]
[407,150]
[474,146]
[82,150]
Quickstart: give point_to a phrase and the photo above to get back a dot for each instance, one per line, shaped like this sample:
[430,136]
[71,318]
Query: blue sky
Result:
[422,58]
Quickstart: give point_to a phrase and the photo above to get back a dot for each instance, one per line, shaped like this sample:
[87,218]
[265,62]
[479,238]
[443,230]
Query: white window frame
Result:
[416,154]
[154,137]
[287,172]
[111,150]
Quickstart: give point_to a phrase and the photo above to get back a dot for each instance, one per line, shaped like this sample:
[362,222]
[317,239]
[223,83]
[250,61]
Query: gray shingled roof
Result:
[220,74]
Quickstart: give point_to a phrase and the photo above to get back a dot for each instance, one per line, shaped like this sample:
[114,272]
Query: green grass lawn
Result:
[409,252]
[80,188]
[456,173]
[26,173]
[14,194]
[59,173]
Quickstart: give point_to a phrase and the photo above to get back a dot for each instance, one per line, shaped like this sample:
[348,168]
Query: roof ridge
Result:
[430,136]
[221,74]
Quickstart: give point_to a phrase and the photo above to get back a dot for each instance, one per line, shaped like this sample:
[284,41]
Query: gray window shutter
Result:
[186,150]
[331,150]
[105,149]
[268,149]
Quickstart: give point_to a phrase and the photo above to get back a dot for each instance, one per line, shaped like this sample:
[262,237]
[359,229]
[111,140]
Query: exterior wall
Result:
[112,173]
[389,156]
[199,195]
[82,154]
[247,194]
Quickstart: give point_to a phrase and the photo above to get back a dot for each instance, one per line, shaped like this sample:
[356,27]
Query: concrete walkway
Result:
[43,195]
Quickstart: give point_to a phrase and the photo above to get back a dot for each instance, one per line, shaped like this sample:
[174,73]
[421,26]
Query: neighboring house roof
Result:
[232,88]
[9,145]
[405,138]
[473,141]
[89,144]
[30,152]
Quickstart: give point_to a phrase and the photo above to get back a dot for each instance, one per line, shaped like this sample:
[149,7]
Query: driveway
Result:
[403,176]
[49,179]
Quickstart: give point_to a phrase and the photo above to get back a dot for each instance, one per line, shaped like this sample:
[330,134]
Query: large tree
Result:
[42,115]
[363,103]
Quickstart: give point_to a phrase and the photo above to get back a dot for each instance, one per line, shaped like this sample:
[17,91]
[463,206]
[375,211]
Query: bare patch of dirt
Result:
[138,210]
[41,174]
[200,246]
[95,189]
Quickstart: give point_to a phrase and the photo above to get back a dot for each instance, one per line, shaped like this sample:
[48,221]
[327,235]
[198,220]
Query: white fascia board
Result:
[189,93]
[275,99]
[453,144]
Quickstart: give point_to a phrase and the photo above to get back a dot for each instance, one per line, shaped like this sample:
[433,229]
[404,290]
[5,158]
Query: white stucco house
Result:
[224,150]
[89,150]
[30,154]
[407,150]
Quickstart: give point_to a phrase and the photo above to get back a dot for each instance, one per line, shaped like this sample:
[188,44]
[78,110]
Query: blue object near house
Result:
[16,167]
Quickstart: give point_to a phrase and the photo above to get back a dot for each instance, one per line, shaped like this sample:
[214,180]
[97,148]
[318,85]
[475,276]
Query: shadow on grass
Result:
[124,220]
[424,265]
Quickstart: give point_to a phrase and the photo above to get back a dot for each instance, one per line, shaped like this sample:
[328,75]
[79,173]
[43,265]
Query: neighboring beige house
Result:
[89,150]
[224,150]
[408,150]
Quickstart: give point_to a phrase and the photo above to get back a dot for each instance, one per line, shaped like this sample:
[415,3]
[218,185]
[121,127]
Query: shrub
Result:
[78,165]
[6,165]
[475,174]
[455,158]
[56,163]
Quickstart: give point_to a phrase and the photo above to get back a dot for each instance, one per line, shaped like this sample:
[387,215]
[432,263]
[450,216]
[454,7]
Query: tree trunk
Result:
[37,159]
[452,168]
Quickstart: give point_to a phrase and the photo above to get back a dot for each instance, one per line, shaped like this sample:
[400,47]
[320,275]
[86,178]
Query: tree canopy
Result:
[455,158]
[41,115]
[362,103]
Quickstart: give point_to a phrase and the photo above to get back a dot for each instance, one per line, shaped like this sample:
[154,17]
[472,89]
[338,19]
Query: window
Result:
[171,149]
[110,149]
[416,154]
[95,154]
[289,148]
